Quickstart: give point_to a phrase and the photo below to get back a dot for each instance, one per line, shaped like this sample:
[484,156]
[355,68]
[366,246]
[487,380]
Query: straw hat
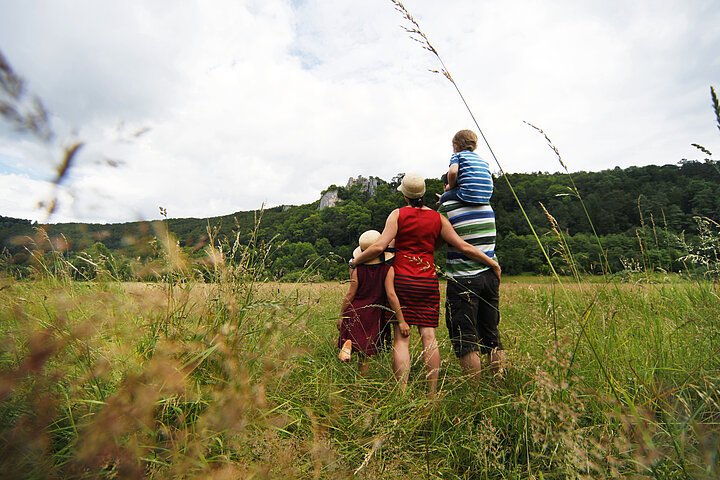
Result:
[366,239]
[412,185]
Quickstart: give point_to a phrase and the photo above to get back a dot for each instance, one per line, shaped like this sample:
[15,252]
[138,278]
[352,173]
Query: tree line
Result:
[588,222]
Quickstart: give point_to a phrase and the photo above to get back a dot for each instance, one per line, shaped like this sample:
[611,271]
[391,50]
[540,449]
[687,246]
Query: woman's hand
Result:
[497,270]
[404,328]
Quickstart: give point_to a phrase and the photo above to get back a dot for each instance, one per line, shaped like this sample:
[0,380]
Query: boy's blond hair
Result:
[465,140]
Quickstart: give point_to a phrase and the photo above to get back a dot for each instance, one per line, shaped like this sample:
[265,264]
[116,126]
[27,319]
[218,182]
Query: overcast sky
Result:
[211,107]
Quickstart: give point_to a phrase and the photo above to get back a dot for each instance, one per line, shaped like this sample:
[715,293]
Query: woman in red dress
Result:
[416,230]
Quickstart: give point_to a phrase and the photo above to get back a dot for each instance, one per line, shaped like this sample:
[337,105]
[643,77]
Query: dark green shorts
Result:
[472,314]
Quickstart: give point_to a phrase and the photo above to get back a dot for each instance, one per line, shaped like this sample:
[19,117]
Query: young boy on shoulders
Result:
[468,178]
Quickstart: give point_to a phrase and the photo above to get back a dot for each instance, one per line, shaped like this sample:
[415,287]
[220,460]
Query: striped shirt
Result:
[476,225]
[474,180]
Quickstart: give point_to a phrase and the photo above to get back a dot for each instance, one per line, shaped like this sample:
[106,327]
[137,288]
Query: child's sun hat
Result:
[366,239]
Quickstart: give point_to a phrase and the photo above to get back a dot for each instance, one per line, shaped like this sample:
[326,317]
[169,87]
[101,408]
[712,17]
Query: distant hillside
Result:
[627,206]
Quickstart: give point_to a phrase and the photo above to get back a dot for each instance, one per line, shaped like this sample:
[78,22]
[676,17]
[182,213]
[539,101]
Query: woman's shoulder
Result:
[434,217]
[424,211]
[402,211]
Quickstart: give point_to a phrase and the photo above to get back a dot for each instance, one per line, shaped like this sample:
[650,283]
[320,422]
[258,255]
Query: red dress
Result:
[364,319]
[416,282]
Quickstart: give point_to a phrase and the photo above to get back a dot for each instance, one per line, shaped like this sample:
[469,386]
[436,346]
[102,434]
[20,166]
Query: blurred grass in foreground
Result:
[240,380]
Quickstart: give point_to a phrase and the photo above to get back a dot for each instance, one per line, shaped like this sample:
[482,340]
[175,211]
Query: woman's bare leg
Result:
[401,356]
[431,355]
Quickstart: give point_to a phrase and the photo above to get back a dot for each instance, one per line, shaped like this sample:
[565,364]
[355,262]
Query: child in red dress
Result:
[363,309]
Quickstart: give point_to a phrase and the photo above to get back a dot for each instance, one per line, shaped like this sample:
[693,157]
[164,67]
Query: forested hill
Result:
[637,213]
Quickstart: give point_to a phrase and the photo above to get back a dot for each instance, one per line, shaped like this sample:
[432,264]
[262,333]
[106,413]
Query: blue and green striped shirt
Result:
[476,225]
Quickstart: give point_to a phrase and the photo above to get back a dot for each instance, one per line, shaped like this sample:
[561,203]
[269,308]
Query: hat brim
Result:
[387,255]
[411,196]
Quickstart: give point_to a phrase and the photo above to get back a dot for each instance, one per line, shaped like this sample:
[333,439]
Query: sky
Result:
[206,108]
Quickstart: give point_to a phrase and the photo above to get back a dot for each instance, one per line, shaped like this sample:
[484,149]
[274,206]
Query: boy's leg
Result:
[449,195]
[431,356]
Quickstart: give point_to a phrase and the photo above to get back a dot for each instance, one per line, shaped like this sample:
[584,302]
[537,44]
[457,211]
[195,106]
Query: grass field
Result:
[238,379]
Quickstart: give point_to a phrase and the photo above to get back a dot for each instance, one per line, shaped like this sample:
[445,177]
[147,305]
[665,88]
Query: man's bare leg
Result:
[471,364]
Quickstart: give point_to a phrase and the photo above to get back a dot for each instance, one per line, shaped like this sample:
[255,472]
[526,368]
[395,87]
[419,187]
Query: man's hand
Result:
[339,323]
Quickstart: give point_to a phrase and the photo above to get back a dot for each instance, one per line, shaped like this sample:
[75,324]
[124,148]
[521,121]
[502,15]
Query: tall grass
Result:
[235,377]
[645,436]
[238,378]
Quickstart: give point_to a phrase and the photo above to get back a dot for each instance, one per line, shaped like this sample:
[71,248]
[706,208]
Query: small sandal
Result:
[346,351]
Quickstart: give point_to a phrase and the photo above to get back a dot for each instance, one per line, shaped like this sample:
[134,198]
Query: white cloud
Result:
[243,103]
[29,199]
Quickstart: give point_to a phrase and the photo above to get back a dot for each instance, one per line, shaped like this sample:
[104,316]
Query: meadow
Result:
[239,379]
[609,376]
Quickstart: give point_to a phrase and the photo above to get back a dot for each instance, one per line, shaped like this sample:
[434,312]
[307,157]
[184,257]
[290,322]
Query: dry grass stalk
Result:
[26,115]
[550,144]
[575,193]
[564,248]
[418,35]
[715,105]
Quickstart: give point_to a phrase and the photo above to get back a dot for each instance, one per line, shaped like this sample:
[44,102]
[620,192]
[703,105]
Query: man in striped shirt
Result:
[473,290]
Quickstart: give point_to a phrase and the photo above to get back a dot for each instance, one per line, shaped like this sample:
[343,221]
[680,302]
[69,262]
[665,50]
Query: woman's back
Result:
[417,232]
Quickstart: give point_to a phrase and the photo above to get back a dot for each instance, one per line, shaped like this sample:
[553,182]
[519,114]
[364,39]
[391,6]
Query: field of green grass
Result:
[238,379]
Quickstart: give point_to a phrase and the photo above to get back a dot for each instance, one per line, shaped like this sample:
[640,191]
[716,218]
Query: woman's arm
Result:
[349,296]
[381,244]
[395,302]
[449,234]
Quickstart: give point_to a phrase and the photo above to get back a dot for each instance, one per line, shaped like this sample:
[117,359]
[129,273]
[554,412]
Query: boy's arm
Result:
[349,296]
[452,176]
[395,302]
